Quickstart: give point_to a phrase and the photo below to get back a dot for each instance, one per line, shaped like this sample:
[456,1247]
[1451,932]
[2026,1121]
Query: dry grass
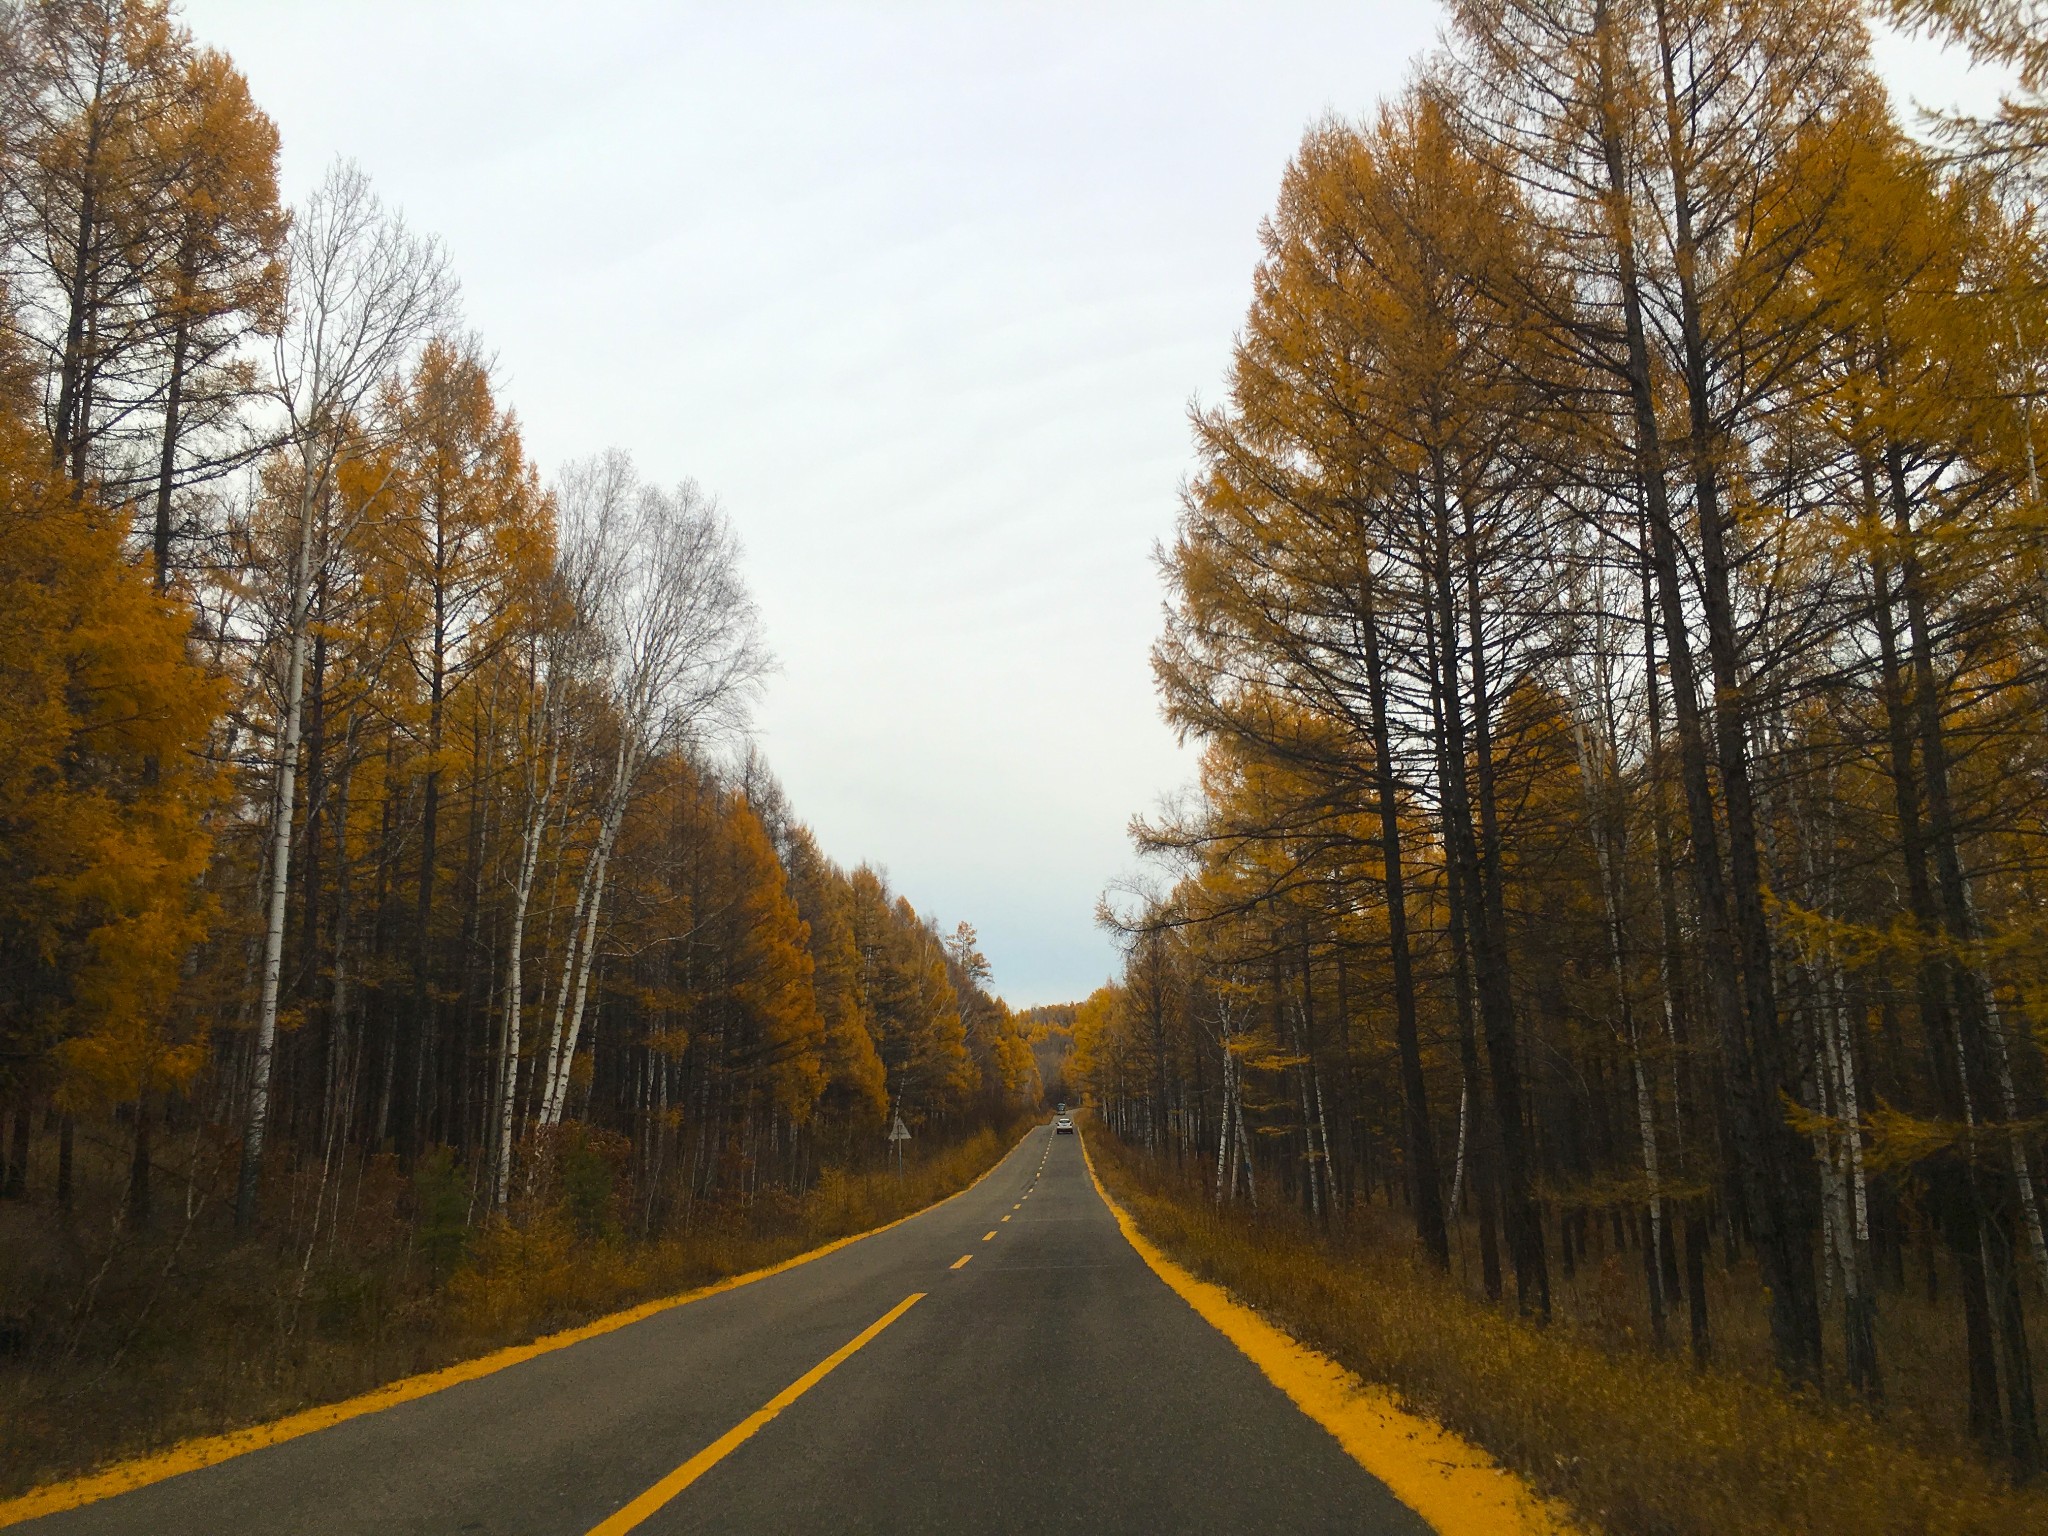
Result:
[522,1280]
[1633,1441]
[113,1345]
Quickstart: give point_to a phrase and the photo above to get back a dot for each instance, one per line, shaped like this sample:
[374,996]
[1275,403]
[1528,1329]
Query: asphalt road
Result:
[1049,1383]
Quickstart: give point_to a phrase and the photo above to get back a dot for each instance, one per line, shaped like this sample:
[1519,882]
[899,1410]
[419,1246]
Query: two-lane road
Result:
[1042,1379]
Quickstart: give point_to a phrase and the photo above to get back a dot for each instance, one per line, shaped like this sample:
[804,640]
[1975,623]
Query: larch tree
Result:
[94,84]
[468,531]
[104,797]
[218,283]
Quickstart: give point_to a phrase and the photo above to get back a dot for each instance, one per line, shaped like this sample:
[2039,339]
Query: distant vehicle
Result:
[1063,1125]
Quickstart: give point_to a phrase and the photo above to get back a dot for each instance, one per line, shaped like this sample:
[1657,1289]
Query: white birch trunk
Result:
[256,1119]
[1225,1168]
[1308,1127]
[1844,1066]
[1323,1135]
[537,1079]
[582,956]
[545,1077]
[1244,1152]
[538,808]
[1458,1164]
[1646,1126]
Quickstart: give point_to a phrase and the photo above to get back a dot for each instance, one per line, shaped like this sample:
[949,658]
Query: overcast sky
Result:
[921,292]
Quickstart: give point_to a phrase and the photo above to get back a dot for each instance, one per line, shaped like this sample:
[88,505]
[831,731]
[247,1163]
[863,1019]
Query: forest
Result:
[385,875]
[1611,603]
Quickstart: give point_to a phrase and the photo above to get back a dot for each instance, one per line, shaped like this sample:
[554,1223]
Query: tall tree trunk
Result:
[1994,1213]
[1224,1164]
[256,1119]
[416,1076]
[1610,847]
[582,951]
[1424,1181]
[339,999]
[1950,1181]
[140,1163]
[1671,972]
[1782,1186]
[1489,961]
[1477,1151]
[167,461]
[67,1129]
[308,981]
[1532,1268]
[1757,1127]
[72,371]
[539,806]
[14,1178]
[475,989]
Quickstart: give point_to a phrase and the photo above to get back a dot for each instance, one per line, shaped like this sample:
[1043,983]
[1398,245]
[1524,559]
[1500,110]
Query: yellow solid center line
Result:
[654,1498]
[961,1262]
[987,1236]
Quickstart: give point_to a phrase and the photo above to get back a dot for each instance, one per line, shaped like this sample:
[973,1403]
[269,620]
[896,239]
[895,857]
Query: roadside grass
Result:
[521,1280]
[114,1345]
[1631,1441]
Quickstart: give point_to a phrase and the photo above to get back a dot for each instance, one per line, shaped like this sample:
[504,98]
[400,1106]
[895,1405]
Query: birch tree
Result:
[364,292]
[558,657]
[682,658]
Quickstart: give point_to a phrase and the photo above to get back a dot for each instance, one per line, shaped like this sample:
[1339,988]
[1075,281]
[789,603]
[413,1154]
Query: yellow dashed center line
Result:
[1006,1218]
[987,1236]
[961,1263]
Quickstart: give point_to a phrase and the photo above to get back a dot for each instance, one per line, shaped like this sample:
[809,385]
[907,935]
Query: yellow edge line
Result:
[634,1513]
[211,1450]
[1449,1481]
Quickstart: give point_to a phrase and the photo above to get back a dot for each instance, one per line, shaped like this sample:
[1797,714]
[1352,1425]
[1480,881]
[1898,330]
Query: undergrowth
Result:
[1633,1442]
